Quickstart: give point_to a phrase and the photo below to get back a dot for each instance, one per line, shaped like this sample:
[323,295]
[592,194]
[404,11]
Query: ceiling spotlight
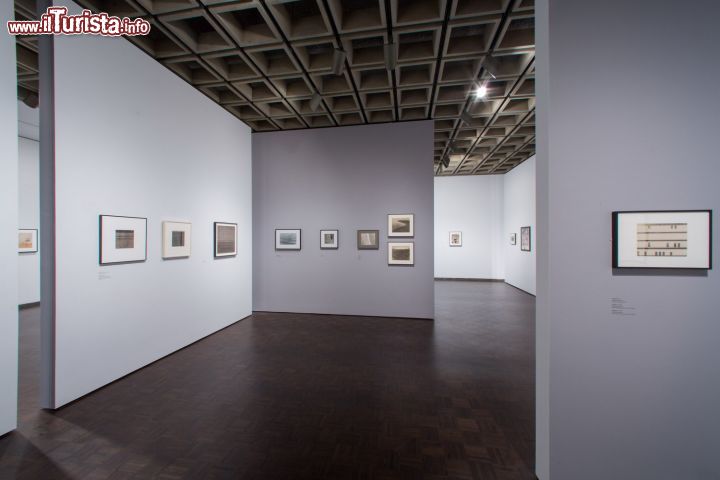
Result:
[491,66]
[445,161]
[481,92]
[390,50]
[467,118]
[315,101]
[338,61]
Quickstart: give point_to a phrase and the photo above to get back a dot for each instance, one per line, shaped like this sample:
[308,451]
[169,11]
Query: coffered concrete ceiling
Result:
[294,64]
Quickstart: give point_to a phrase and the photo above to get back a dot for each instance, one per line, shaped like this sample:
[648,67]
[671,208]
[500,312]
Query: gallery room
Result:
[359,239]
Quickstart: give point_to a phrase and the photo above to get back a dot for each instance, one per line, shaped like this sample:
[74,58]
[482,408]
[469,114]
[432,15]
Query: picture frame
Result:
[368,239]
[455,239]
[401,253]
[27,240]
[224,239]
[662,239]
[329,239]
[122,239]
[288,239]
[525,239]
[513,239]
[401,225]
[176,239]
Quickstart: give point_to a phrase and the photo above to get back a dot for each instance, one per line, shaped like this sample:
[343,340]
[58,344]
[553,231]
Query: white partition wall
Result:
[28,199]
[28,218]
[627,120]
[133,139]
[472,205]
[519,211]
[8,228]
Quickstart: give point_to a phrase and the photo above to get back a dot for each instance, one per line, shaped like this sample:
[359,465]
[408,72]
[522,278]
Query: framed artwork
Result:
[329,239]
[401,225]
[176,239]
[401,253]
[662,239]
[368,239]
[225,239]
[456,239]
[513,239]
[122,239]
[287,239]
[27,240]
[525,239]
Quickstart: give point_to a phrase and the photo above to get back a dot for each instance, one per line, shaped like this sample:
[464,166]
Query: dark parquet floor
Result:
[289,396]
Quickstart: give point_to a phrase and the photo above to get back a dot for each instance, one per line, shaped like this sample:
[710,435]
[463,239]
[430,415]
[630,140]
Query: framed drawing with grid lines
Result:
[662,239]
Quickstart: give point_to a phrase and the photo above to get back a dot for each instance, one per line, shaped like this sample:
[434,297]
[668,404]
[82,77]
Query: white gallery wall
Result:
[474,206]
[487,209]
[8,228]
[28,215]
[627,120]
[345,178]
[133,139]
[519,211]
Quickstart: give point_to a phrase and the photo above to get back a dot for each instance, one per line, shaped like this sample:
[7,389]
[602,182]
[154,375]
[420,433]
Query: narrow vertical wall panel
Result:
[28,217]
[8,228]
[46,169]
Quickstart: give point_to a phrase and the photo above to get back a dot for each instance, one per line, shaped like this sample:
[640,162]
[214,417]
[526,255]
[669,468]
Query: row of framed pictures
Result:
[456,239]
[124,239]
[399,253]
[399,225]
[524,239]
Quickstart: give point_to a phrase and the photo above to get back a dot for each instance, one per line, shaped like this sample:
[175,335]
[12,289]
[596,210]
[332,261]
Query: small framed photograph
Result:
[513,239]
[27,240]
[525,239]
[287,239]
[401,225]
[176,239]
[662,239]
[401,253]
[329,239]
[368,239]
[456,239]
[122,239]
[225,239]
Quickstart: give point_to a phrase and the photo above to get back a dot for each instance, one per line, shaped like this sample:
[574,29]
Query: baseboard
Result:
[23,306]
[448,279]
[518,288]
[345,315]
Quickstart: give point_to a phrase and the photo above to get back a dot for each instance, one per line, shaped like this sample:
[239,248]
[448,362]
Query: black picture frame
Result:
[616,247]
[529,239]
[215,244]
[299,246]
